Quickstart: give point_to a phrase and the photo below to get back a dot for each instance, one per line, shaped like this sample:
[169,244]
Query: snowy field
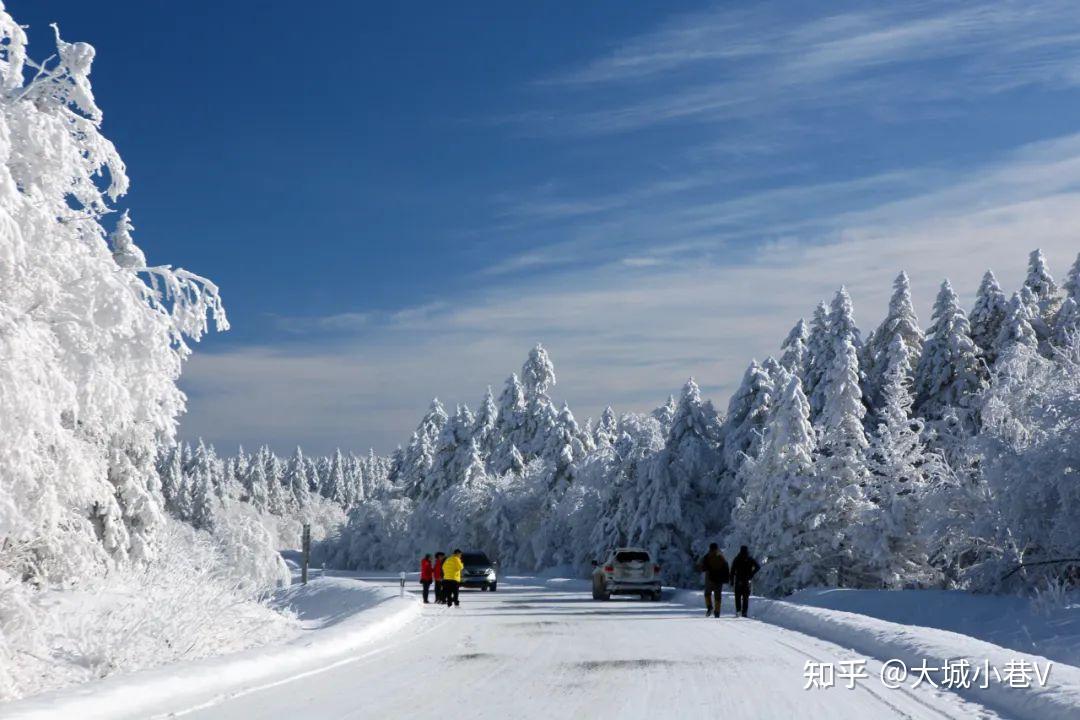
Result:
[541,647]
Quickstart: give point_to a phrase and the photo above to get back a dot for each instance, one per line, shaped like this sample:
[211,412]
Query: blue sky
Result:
[399,200]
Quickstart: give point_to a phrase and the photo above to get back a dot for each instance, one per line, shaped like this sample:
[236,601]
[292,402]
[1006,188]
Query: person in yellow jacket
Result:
[451,570]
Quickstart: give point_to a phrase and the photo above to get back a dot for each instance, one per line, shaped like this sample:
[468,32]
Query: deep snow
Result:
[1048,629]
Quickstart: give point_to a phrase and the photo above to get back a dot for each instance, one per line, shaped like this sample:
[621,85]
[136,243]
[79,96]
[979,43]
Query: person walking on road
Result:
[427,574]
[743,569]
[452,568]
[437,574]
[715,567]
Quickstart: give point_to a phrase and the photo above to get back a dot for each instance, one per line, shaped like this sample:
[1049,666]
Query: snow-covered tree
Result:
[819,349]
[795,355]
[842,467]
[485,427]
[665,414]
[786,514]
[1016,329]
[901,468]
[416,462]
[296,482]
[901,320]
[1042,286]
[748,410]
[987,315]
[950,372]
[678,497]
[606,432]
[92,343]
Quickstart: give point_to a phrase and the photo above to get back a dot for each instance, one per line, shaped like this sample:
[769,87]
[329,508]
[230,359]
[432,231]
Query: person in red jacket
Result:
[427,574]
[437,573]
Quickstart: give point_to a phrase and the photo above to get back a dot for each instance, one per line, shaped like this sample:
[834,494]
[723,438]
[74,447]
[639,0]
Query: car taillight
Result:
[656,568]
[609,569]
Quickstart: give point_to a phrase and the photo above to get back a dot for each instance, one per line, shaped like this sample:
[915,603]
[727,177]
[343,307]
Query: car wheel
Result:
[494,586]
[656,596]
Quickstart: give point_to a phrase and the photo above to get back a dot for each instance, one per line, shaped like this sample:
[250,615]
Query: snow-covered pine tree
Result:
[419,454]
[748,411]
[177,501]
[485,427]
[678,501]
[1042,286]
[1016,329]
[950,373]
[987,315]
[665,414]
[256,490]
[452,456]
[819,352]
[1034,311]
[796,354]
[275,493]
[786,514]
[334,483]
[900,320]
[901,468]
[204,503]
[540,417]
[509,426]
[842,467]
[296,482]
[606,432]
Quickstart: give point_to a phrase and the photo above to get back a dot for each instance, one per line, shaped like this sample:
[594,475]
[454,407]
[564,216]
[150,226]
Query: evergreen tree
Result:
[510,425]
[1017,327]
[842,466]
[275,493]
[796,354]
[987,316]
[1042,286]
[949,373]
[819,349]
[901,320]
[748,411]
[785,513]
[296,481]
[677,499]
[607,430]
[203,502]
[334,485]
[256,487]
[485,428]
[172,483]
[420,453]
[451,456]
[901,468]
[665,414]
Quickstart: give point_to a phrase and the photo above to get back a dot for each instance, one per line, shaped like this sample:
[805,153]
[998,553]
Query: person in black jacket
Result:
[743,569]
[715,567]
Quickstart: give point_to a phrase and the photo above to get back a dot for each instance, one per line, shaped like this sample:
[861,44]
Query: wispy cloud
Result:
[728,64]
[630,331]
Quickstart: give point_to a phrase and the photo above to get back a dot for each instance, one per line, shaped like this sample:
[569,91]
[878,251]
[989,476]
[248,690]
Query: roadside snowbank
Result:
[883,640]
[339,616]
[1050,630]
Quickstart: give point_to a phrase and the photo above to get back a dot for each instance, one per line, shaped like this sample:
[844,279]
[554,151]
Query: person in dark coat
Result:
[743,569]
[437,574]
[427,574]
[715,567]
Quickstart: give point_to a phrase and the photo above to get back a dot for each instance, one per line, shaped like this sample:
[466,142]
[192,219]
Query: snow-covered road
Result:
[536,650]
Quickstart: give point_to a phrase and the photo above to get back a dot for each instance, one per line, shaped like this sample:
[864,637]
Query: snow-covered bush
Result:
[189,603]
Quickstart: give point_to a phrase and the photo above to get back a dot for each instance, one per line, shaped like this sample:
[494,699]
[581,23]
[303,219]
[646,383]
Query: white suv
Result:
[627,571]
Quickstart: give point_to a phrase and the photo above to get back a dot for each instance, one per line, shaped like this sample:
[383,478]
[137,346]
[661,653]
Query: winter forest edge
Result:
[905,458]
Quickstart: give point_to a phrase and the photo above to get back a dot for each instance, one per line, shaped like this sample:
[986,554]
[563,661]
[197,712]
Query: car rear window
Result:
[632,556]
[475,559]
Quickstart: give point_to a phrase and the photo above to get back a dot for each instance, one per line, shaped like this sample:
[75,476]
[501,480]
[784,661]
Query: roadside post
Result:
[402,583]
[305,544]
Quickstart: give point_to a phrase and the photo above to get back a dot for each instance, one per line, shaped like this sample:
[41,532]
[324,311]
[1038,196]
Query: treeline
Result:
[908,457]
[197,485]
